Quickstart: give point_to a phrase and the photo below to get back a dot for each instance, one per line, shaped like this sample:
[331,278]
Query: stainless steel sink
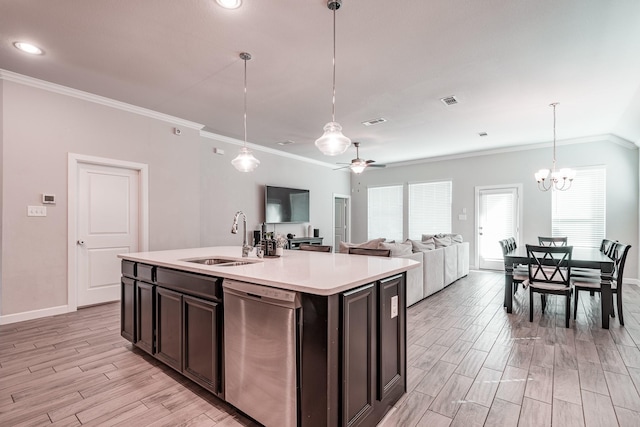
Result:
[218,262]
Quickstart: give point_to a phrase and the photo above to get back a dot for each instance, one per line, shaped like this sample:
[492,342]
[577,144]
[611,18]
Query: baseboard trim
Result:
[34,314]
[632,281]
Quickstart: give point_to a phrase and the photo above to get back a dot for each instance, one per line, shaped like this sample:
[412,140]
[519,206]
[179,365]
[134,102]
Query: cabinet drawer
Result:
[128,268]
[189,283]
[146,273]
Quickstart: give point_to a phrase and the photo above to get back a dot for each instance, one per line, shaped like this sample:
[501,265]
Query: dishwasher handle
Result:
[265,294]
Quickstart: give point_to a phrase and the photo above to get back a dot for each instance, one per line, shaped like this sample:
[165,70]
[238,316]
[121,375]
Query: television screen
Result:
[286,205]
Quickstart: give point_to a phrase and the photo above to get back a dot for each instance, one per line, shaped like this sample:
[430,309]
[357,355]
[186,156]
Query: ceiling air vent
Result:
[374,121]
[482,134]
[449,100]
[287,142]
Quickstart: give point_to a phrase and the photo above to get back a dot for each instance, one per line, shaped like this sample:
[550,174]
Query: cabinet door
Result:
[201,332]
[391,337]
[169,327]
[127,309]
[145,316]
[358,363]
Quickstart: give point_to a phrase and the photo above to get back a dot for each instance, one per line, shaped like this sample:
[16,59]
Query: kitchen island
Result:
[346,334]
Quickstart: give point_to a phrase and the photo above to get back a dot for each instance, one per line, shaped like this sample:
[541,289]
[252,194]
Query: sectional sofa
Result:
[444,258]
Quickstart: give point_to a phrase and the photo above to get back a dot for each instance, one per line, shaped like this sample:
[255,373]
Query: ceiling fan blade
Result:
[376,166]
[343,167]
[339,163]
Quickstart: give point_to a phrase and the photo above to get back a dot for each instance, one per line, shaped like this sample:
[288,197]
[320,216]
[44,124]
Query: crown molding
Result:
[96,99]
[614,139]
[256,147]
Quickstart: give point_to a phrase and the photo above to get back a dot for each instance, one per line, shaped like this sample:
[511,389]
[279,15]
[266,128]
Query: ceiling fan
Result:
[358,165]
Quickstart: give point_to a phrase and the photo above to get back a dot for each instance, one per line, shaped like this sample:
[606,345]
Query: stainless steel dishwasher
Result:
[261,337]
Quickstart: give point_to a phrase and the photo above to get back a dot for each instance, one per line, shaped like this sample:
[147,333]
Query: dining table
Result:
[581,257]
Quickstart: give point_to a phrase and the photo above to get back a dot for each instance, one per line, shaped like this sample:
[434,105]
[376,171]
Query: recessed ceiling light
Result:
[28,48]
[287,142]
[229,4]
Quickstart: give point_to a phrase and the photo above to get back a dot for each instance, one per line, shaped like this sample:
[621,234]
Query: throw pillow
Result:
[441,242]
[397,249]
[418,246]
[370,244]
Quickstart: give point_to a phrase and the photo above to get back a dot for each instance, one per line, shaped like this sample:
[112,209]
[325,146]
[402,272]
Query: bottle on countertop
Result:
[309,231]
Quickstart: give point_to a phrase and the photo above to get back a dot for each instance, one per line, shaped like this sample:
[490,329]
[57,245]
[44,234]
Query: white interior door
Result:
[108,206]
[340,221]
[497,219]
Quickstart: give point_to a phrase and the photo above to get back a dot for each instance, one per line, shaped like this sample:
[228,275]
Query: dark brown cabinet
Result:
[169,327]
[358,358]
[201,328]
[127,309]
[145,316]
[175,316]
[373,343]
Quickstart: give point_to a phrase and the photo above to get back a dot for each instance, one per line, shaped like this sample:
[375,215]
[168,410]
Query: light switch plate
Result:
[36,211]
[394,306]
[462,217]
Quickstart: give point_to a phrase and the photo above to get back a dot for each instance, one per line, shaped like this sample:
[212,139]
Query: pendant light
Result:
[245,162]
[333,142]
[558,180]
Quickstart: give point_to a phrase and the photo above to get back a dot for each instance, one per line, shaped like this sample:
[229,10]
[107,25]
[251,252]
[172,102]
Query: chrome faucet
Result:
[234,230]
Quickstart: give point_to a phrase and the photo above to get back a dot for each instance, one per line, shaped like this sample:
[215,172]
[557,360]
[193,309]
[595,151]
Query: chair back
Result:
[607,246]
[504,245]
[370,252]
[550,264]
[552,241]
[619,253]
[315,248]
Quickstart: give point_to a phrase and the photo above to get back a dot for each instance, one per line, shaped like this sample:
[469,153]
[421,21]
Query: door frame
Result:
[333,217]
[476,218]
[74,160]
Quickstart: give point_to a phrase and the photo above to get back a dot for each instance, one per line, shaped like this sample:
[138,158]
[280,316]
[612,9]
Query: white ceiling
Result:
[505,61]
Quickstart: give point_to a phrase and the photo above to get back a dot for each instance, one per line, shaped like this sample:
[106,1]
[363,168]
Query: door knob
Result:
[80,242]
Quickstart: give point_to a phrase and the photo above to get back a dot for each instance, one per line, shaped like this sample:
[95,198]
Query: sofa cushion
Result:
[456,238]
[422,246]
[370,244]
[442,241]
[397,249]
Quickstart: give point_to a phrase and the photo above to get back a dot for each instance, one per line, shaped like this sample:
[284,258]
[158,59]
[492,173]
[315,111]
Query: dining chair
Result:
[520,273]
[370,252]
[552,241]
[618,254]
[549,273]
[606,247]
[315,248]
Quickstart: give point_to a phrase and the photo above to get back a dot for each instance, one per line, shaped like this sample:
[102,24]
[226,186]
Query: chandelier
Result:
[551,179]
[333,142]
[245,162]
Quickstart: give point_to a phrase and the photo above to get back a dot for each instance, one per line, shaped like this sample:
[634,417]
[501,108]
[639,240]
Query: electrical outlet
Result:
[394,306]
[36,211]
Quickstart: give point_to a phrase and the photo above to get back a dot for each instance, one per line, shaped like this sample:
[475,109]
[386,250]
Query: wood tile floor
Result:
[469,363]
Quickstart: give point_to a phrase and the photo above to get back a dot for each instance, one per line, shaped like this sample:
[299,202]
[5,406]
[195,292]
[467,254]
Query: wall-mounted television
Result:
[286,205]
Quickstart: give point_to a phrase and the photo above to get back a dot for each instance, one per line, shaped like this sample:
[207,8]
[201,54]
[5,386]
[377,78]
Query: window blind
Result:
[384,216]
[579,213]
[429,208]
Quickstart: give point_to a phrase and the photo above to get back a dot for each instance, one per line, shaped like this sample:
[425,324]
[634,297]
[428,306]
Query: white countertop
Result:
[303,271]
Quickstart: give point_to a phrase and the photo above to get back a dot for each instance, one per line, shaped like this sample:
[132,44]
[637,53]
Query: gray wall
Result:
[518,167]
[192,193]
[225,191]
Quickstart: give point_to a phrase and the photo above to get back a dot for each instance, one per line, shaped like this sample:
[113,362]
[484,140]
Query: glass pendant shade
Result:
[333,142]
[245,162]
[358,166]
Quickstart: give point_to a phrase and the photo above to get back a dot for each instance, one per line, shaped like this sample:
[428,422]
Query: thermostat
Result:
[49,199]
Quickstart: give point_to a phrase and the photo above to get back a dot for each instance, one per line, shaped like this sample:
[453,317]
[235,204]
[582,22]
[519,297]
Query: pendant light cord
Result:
[333,112]
[554,135]
[245,102]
